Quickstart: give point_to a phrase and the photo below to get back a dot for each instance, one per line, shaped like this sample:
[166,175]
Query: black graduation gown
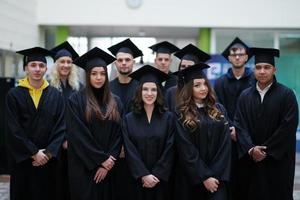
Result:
[170,97]
[62,174]
[272,123]
[149,150]
[228,89]
[170,82]
[202,154]
[28,130]
[67,90]
[126,92]
[90,144]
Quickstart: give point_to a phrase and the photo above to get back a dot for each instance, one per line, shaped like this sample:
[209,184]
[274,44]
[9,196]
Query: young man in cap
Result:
[228,88]
[163,61]
[124,87]
[35,130]
[266,123]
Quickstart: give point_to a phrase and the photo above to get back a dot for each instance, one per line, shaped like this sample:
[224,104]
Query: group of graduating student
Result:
[151,134]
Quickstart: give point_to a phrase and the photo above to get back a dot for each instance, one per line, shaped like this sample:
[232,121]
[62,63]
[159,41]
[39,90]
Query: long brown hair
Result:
[92,105]
[138,104]
[187,107]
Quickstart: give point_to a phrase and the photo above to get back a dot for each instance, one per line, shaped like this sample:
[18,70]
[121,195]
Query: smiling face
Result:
[149,93]
[200,90]
[64,65]
[97,77]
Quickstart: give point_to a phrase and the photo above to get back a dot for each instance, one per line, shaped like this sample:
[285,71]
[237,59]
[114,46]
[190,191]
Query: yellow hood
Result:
[34,93]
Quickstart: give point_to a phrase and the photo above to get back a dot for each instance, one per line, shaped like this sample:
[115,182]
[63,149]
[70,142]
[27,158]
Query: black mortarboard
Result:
[126,46]
[192,72]
[94,58]
[238,43]
[148,73]
[64,49]
[164,47]
[265,55]
[192,53]
[35,54]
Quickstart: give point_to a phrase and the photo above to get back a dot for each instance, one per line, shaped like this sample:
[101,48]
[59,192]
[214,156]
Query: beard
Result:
[124,73]
[239,66]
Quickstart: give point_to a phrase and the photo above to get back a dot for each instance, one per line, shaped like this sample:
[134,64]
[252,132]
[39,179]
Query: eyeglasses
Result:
[237,54]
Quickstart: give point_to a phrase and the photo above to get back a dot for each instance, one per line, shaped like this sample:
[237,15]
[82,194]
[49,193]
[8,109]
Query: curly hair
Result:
[187,107]
[73,78]
[138,104]
[107,99]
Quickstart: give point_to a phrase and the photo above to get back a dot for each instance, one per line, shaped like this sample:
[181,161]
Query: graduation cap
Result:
[94,58]
[192,72]
[64,49]
[236,43]
[192,53]
[164,47]
[35,54]
[126,46]
[265,55]
[147,73]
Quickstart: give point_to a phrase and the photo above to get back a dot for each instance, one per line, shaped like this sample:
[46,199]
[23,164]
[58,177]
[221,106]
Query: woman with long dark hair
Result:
[148,133]
[95,132]
[202,140]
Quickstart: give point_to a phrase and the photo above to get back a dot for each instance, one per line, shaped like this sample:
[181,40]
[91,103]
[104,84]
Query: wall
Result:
[187,13]
[18,24]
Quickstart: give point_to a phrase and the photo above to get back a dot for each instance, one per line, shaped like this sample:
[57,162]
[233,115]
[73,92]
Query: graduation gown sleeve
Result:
[245,142]
[20,145]
[81,139]
[280,141]
[58,131]
[137,166]
[162,168]
[116,137]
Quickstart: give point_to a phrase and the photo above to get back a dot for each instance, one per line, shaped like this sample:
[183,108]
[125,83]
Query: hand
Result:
[65,144]
[40,158]
[100,174]
[258,153]
[211,184]
[149,181]
[232,133]
[109,163]
[122,153]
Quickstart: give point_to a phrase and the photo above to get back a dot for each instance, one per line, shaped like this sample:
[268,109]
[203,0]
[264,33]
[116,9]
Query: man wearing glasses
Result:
[228,88]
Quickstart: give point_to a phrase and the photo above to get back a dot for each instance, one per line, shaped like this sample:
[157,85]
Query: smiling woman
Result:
[148,133]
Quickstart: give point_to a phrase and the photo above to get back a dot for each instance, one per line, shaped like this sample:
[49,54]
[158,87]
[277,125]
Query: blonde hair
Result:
[73,78]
